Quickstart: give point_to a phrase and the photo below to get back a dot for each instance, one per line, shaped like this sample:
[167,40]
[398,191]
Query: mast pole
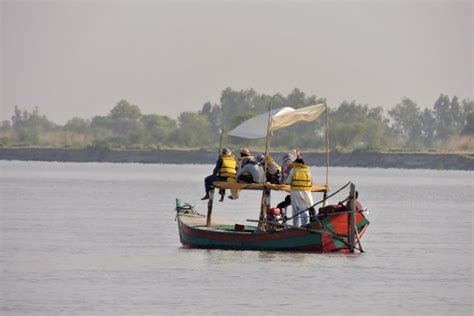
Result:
[265,202]
[220,142]
[351,222]
[327,156]
[211,192]
[222,134]
[269,138]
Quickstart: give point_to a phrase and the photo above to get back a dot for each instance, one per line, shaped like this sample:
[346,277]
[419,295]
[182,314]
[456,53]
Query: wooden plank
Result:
[260,186]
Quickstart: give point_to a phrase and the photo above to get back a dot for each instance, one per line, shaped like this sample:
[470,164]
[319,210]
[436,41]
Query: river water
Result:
[100,239]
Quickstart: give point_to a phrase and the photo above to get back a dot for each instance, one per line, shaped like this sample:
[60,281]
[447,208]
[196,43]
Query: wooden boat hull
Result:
[332,235]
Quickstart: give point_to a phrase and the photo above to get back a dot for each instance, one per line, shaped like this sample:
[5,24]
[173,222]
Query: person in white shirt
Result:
[301,182]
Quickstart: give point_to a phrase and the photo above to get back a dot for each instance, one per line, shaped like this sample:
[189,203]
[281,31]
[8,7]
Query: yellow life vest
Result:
[228,166]
[243,160]
[272,166]
[302,178]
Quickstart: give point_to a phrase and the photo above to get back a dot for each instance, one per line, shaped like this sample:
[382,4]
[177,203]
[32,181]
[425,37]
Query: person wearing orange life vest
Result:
[226,167]
[300,181]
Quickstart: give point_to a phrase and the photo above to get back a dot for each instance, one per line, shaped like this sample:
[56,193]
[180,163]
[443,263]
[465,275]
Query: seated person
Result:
[273,171]
[283,206]
[274,215]
[225,168]
[245,158]
[253,171]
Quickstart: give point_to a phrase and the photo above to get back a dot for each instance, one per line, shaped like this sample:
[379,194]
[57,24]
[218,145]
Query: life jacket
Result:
[255,163]
[272,166]
[243,160]
[251,162]
[228,166]
[302,178]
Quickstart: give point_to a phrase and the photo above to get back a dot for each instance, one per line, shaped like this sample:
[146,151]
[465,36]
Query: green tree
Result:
[125,111]
[468,113]
[121,127]
[406,122]
[448,117]
[5,126]
[355,125]
[77,125]
[468,129]
[296,99]
[101,123]
[193,130]
[428,127]
[234,103]
[28,126]
[125,124]
[214,116]
[158,127]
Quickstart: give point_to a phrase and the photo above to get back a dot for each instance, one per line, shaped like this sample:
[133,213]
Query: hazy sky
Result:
[79,58]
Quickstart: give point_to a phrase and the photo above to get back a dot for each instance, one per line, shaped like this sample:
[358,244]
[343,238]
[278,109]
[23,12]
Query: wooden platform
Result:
[260,186]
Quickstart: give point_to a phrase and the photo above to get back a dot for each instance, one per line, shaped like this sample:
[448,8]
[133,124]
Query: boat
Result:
[334,228]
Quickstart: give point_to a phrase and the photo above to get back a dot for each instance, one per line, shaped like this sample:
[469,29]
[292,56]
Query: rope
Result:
[326,198]
[186,209]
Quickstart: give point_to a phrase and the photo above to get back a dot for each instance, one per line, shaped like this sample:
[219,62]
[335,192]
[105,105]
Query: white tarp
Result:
[256,127]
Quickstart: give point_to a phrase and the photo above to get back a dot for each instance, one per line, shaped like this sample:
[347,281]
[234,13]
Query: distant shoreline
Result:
[360,159]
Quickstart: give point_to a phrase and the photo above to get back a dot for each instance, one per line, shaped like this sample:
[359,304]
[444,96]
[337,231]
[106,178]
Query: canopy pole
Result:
[351,220]
[265,203]
[327,156]
[219,153]
[222,134]
[220,143]
[209,208]
[268,140]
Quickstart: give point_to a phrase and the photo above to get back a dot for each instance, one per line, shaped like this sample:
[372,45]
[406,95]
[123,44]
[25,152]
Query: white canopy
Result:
[256,127]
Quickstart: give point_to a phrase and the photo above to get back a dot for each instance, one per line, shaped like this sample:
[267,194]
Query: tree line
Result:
[449,124]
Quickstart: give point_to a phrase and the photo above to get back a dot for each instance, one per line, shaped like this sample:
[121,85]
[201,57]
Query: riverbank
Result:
[364,159]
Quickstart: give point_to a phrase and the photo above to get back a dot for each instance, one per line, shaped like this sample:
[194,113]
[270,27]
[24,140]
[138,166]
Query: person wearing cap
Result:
[245,158]
[226,167]
[253,171]
[300,181]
